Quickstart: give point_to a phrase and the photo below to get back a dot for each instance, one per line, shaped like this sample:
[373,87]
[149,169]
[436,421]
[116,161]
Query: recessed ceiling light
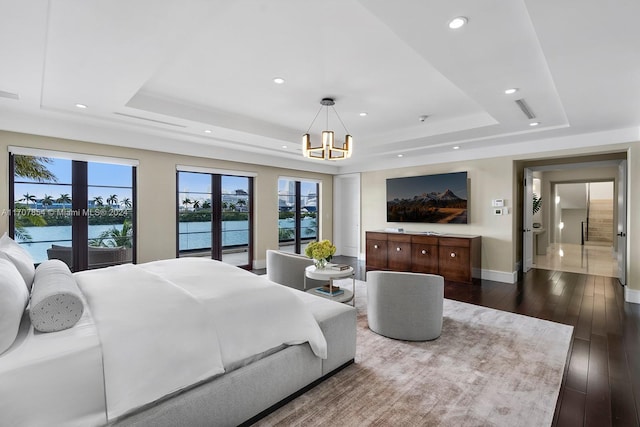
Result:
[207,131]
[511,91]
[284,146]
[278,80]
[458,22]
[534,123]
[81,106]
[456,147]
[363,114]
[400,155]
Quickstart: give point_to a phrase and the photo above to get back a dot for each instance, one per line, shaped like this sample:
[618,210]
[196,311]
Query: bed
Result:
[184,341]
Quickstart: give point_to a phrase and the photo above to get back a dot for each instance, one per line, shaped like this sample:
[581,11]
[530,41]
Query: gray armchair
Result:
[288,269]
[405,306]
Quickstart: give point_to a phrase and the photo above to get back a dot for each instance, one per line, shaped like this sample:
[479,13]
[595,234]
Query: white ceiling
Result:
[157,73]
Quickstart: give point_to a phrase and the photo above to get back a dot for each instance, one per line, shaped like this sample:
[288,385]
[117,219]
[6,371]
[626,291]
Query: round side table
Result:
[330,274]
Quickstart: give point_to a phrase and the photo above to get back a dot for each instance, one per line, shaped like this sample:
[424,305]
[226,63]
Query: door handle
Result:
[622,234]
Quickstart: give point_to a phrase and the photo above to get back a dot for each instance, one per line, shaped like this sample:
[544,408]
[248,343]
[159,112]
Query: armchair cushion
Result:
[288,269]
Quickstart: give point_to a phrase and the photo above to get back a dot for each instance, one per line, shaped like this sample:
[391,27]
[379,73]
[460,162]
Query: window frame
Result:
[79,200]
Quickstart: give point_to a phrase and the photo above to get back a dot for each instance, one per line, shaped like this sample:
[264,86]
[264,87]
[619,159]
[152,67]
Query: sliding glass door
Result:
[77,211]
[215,217]
[298,214]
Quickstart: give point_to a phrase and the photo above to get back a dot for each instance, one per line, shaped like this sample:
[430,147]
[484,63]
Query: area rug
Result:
[488,368]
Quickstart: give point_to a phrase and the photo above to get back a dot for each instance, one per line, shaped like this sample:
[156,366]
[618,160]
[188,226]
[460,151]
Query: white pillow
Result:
[12,251]
[13,299]
[56,302]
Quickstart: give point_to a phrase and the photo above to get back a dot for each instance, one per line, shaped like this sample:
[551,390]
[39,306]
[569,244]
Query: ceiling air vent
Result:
[149,120]
[525,109]
[9,95]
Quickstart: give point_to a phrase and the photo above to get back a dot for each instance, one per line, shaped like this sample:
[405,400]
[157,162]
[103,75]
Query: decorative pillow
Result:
[13,299]
[12,251]
[56,302]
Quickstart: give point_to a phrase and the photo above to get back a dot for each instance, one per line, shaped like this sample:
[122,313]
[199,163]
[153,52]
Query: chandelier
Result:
[327,149]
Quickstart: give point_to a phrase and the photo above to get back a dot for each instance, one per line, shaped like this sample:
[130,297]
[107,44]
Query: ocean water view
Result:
[192,235]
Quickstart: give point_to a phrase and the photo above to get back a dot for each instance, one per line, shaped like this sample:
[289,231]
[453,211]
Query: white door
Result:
[346,214]
[527,221]
[622,222]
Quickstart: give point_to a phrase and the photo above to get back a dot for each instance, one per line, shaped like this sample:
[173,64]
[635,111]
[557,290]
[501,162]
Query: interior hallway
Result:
[593,259]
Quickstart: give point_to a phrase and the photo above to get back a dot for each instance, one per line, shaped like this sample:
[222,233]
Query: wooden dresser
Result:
[455,257]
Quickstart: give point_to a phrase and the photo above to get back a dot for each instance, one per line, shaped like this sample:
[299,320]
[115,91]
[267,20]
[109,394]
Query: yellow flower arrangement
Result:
[321,252]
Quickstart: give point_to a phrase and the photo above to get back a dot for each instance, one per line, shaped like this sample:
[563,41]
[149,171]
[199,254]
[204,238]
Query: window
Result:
[81,212]
[215,216]
[297,214]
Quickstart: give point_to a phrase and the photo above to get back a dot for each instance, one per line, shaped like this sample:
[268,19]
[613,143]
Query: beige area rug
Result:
[488,368]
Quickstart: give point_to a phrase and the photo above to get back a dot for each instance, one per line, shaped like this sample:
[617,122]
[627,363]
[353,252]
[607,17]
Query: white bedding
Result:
[251,314]
[165,325]
[156,338]
[39,385]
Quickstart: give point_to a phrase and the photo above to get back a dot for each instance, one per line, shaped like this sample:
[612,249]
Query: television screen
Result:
[438,198]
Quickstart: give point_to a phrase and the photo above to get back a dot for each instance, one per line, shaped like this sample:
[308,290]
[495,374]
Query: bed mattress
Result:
[39,385]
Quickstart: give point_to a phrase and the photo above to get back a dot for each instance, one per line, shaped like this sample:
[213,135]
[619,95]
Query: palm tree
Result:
[196,204]
[47,200]
[33,167]
[186,202]
[115,238]
[126,202]
[98,201]
[28,198]
[64,199]
[112,200]
[206,204]
[241,202]
[22,221]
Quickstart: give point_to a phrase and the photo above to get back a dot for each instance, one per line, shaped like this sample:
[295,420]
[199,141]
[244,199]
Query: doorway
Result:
[573,217]
[582,229]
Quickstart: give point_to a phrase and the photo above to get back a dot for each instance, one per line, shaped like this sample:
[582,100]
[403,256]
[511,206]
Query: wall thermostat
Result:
[498,203]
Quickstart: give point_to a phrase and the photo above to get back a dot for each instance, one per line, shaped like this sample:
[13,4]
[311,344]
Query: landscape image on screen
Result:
[438,198]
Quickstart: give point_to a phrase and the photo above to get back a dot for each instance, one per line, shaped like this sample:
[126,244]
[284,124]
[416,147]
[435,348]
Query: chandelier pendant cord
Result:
[327,127]
[314,119]
[338,116]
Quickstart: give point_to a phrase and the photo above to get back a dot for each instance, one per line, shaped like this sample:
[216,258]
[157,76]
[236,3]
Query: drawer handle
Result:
[424,252]
[398,249]
[453,254]
[375,246]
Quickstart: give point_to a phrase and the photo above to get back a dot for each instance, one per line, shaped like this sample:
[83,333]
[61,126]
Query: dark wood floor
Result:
[601,384]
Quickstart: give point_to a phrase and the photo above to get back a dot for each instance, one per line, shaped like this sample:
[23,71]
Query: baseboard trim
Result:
[500,276]
[631,295]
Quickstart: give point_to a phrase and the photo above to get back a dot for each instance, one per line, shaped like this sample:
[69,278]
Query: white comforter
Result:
[165,325]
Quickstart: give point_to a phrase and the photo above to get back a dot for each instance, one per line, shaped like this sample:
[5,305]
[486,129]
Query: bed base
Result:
[243,396]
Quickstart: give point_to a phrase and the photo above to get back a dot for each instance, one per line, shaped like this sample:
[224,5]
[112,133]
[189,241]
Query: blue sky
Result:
[200,183]
[306,187]
[104,180]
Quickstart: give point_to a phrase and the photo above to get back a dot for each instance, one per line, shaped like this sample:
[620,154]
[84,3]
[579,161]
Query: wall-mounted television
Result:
[440,198]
